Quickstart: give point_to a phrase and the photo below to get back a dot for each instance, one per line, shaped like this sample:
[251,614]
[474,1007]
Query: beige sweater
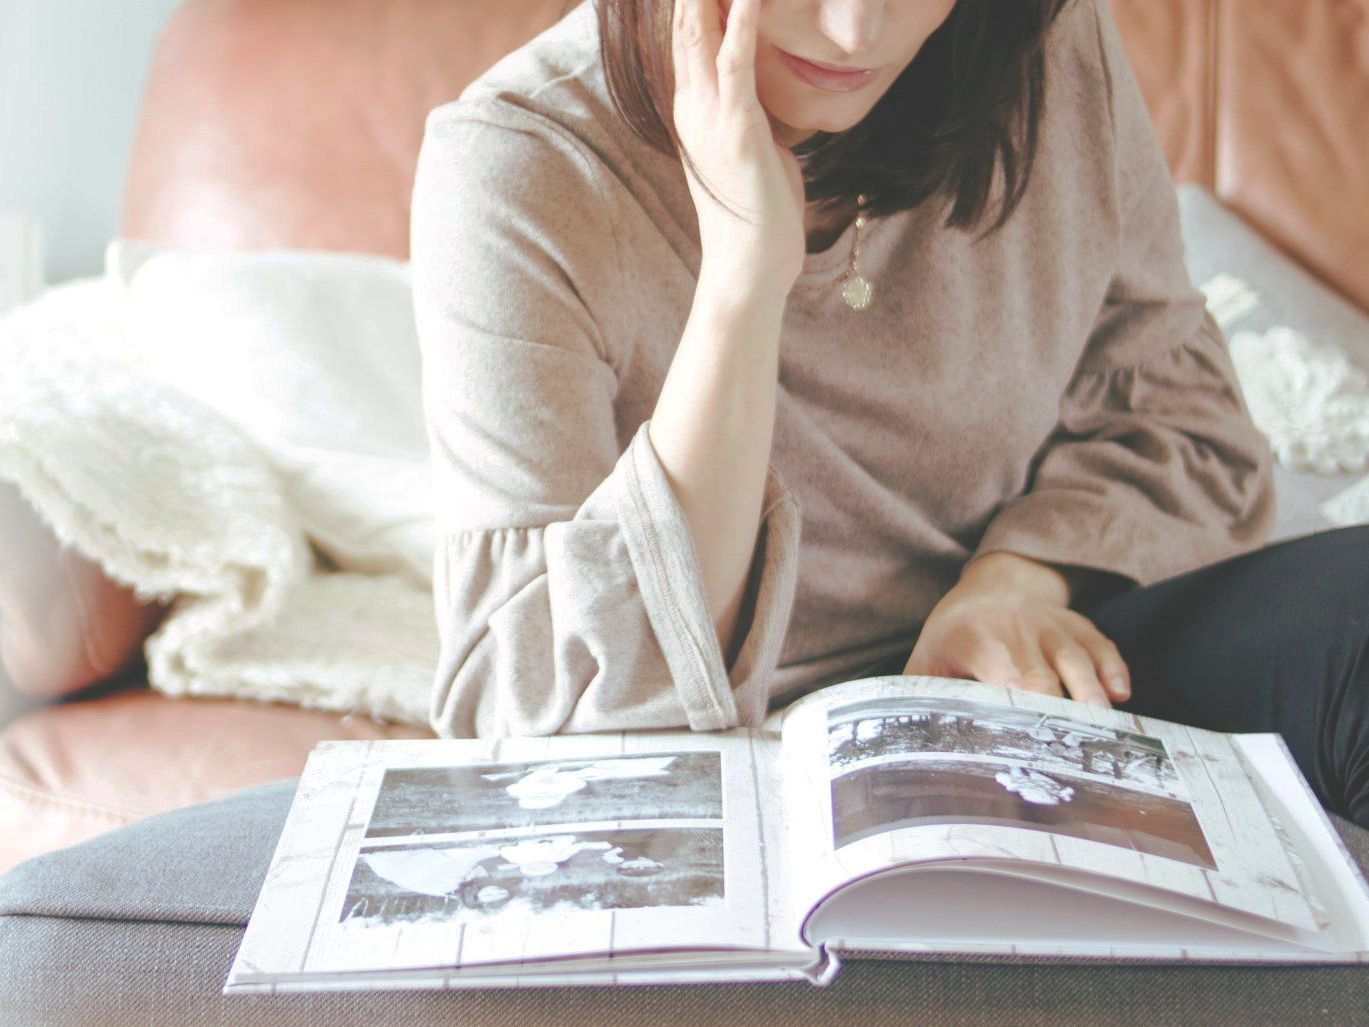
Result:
[1055,390]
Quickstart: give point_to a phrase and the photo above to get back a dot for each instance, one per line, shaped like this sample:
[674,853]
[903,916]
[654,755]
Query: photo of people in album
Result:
[439,800]
[456,843]
[924,761]
[619,869]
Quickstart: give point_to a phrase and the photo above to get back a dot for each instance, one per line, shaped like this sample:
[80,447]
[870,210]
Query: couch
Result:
[231,153]
[1259,104]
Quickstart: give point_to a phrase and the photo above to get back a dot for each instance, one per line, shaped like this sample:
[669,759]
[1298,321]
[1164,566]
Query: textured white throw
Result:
[1314,406]
[1307,397]
[172,497]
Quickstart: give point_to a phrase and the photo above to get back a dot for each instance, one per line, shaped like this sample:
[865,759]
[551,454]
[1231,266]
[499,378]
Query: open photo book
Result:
[904,817]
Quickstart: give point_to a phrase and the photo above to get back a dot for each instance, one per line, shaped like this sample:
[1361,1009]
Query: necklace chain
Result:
[856,290]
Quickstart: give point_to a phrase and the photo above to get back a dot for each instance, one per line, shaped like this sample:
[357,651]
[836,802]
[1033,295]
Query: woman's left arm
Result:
[1154,468]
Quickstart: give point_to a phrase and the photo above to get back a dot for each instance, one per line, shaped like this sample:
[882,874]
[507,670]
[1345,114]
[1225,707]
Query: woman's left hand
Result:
[1008,621]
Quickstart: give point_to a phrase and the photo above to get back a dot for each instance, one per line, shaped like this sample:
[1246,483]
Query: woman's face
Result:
[868,34]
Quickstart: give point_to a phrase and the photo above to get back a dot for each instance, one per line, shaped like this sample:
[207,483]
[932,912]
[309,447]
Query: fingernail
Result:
[1119,687]
[1099,701]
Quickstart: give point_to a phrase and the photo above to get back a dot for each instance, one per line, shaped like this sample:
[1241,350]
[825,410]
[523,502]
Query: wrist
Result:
[727,290]
[1003,571]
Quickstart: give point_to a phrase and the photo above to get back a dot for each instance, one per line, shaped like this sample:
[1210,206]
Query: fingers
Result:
[696,37]
[1014,659]
[1112,669]
[943,665]
[684,41]
[1076,668]
[1075,660]
[717,54]
[1009,662]
[736,62]
[1033,672]
[679,45]
[1092,660]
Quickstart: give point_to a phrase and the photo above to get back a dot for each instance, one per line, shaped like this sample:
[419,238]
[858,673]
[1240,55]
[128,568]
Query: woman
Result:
[706,439]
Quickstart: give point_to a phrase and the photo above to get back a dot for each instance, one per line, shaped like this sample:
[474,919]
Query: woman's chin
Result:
[793,132]
[787,134]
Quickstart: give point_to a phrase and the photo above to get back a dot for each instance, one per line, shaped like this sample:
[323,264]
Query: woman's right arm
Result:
[712,431]
[713,425]
[569,591]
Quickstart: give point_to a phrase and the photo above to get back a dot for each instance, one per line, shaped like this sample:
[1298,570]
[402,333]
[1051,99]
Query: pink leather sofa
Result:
[296,123]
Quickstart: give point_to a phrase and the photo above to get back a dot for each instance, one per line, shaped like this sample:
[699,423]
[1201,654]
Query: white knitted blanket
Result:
[1313,404]
[175,500]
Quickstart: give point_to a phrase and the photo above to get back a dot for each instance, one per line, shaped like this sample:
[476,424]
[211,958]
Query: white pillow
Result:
[314,356]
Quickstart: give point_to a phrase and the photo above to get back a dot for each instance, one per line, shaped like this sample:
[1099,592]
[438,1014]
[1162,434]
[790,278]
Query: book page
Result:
[898,770]
[1333,870]
[460,853]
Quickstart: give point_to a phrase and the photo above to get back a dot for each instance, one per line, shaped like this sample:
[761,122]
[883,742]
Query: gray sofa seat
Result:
[140,926]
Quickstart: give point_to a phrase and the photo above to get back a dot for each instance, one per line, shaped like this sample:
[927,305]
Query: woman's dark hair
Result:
[968,106]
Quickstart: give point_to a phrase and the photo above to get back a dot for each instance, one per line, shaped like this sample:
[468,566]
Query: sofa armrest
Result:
[64,626]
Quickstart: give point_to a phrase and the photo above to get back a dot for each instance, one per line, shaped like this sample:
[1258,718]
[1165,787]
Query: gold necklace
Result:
[856,290]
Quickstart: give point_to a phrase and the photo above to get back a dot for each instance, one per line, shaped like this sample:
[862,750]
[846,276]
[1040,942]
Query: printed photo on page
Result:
[924,761]
[419,860]
[917,770]
[514,851]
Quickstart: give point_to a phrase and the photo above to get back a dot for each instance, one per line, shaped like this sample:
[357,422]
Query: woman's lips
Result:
[822,78]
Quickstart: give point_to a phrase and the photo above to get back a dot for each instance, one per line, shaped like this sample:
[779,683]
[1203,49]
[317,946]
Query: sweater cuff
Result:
[775,578]
[1074,529]
[661,546]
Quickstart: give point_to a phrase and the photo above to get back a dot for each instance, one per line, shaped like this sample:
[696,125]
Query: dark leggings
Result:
[1273,640]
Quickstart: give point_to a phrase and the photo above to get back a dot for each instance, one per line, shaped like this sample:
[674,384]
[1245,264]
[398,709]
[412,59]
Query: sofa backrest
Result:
[1266,103]
[296,123]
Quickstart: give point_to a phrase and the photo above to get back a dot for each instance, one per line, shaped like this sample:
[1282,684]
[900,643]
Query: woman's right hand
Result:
[761,241]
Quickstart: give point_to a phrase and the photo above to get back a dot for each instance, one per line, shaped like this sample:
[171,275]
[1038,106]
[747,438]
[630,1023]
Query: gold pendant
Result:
[856,292]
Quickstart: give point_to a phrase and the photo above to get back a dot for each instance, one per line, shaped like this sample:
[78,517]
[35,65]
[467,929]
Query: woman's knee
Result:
[1274,640]
[1327,567]
[1327,596]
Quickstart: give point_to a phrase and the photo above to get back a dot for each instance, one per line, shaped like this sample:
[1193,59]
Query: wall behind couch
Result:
[71,78]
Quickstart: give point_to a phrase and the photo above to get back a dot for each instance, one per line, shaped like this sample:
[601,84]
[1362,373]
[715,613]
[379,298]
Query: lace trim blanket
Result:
[176,501]
[1313,404]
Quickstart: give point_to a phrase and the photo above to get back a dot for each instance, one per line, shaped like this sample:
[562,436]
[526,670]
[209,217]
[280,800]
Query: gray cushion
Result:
[1216,241]
[140,927]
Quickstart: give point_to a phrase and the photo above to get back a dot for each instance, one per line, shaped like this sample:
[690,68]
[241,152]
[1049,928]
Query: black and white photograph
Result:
[886,796]
[446,800]
[912,726]
[536,874]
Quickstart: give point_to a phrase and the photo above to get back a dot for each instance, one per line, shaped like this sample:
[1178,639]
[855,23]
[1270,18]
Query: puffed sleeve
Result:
[569,595]
[1155,467]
